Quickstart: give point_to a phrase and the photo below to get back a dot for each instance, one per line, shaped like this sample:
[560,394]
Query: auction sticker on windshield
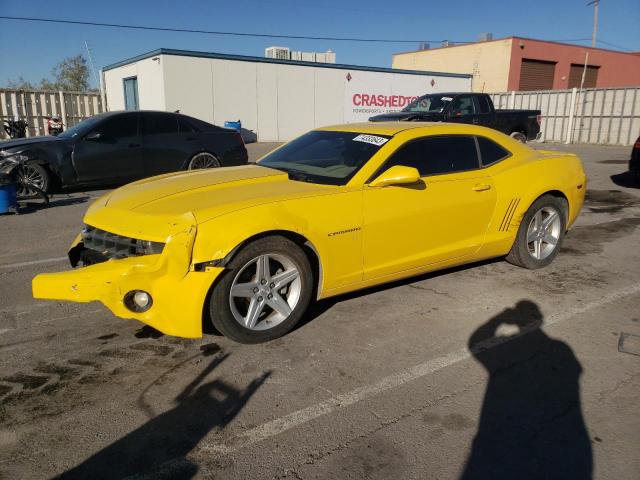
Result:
[372,139]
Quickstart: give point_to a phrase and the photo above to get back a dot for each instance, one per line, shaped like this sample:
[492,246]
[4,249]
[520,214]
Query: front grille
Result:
[112,245]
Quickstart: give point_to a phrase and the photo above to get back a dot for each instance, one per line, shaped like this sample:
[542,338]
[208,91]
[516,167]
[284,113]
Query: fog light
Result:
[138,301]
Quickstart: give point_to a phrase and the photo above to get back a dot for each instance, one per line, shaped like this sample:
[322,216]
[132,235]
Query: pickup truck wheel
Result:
[264,292]
[540,234]
[519,136]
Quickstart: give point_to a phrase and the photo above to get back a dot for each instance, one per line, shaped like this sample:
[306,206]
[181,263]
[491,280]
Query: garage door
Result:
[536,75]
[590,77]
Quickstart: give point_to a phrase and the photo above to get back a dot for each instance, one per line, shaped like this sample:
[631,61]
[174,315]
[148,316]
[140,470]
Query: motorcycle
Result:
[16,128]
[54,125]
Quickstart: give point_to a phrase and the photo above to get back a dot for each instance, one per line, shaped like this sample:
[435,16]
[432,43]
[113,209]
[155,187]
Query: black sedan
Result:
[634,161]
[119,147]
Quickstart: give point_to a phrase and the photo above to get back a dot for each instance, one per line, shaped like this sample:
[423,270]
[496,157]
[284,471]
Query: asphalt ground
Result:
[486,371]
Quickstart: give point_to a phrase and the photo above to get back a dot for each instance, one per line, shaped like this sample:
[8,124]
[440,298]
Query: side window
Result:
[154,123]
[483,103]
[490,151]
[119,126]
[437,155]
[462,105]
[185,126]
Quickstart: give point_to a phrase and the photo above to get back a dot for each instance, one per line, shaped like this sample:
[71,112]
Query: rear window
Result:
[490,151]
[156,123]
[325,157]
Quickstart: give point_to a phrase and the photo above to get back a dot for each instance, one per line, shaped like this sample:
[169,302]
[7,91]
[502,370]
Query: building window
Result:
[536,74]
[131,93]
[590,77]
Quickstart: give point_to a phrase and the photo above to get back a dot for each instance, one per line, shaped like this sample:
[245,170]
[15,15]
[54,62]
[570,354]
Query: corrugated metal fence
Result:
[609,116]
[35,105]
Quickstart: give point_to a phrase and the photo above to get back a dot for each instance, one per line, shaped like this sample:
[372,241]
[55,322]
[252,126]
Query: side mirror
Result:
[396,175]
[93,136]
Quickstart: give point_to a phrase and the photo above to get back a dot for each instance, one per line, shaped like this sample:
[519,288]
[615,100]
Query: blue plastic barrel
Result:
[234,125]
[7,197]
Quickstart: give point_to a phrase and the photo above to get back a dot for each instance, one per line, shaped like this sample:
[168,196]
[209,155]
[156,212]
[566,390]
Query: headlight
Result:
[8,161]
[146,247]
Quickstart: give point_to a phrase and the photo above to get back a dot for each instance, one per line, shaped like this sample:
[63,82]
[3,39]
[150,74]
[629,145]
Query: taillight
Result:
[539,119]
[637,145]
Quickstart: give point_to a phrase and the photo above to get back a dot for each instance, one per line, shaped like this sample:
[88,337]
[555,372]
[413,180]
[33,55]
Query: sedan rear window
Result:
[325,157]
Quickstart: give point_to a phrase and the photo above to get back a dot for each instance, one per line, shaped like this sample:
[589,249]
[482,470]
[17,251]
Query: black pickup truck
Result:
[474,108]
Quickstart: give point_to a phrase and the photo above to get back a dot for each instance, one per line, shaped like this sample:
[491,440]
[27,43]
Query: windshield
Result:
[82,128]
[428,103]
[330,158]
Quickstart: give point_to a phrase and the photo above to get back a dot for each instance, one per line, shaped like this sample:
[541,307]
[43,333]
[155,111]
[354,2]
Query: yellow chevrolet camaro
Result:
[338,209]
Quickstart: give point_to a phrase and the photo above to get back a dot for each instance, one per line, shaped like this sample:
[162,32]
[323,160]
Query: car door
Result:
[484,113]
[165,147]
[111,152]
[444,217]
[462,110]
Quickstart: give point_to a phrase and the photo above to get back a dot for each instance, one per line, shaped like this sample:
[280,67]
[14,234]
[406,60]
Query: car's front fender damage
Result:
[177,290]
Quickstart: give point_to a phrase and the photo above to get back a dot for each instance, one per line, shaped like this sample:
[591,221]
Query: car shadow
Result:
[319,307]
[33,205]
[159,448]
[531,423]
[625,179]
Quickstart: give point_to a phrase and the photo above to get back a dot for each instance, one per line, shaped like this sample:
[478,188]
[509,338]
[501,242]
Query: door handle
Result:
[482,187]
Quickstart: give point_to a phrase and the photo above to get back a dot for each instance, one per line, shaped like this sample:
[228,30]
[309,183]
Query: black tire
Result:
[520,253]
[33,172]
[519,136]
[219,306]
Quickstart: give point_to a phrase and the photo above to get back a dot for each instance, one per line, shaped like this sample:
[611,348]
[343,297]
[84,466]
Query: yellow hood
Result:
[205,194]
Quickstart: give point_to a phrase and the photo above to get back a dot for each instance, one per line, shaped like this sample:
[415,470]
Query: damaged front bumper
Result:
[178,292]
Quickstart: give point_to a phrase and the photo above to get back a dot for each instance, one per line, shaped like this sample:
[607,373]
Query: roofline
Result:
[518,38]
[245,58]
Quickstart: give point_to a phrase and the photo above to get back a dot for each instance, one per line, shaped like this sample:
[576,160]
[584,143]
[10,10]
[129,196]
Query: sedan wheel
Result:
[264,291]
[204,160]
[31,175]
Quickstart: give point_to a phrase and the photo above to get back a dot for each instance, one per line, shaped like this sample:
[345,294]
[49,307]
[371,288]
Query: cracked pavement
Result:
[483,371]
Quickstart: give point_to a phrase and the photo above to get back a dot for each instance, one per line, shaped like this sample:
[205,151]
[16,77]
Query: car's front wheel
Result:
[32,175]
[264,292]
[540,234]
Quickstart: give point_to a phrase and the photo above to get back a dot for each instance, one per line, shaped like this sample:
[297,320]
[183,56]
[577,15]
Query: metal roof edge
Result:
[246,58]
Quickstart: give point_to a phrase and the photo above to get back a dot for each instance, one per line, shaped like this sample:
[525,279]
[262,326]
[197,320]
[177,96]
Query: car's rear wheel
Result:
[264,292]
[32,175]
[204,160]
[519,136]
[540,233]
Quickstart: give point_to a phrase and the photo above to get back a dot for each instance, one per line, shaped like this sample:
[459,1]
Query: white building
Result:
[276,99]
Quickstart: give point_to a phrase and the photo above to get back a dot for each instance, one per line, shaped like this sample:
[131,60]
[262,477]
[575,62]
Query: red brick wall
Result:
[616,69]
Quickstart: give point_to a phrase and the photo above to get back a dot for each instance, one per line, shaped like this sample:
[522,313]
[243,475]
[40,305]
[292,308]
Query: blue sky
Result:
[32,49]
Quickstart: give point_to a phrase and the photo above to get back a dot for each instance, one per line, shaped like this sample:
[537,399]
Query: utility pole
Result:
[93,68]
[595,4]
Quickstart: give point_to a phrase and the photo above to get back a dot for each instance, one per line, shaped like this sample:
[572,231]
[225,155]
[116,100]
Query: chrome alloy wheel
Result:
[27,176]
[265,292]
[543,233]
[203,160]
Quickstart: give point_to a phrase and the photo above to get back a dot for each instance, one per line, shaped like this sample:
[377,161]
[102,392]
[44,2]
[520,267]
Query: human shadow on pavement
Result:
[531,423]
[158,449]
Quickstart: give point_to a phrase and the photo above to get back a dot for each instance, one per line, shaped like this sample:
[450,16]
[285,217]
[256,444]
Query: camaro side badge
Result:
[341,232]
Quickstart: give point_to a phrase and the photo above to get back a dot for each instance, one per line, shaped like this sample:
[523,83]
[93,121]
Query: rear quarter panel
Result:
[226,145]
[521,180]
